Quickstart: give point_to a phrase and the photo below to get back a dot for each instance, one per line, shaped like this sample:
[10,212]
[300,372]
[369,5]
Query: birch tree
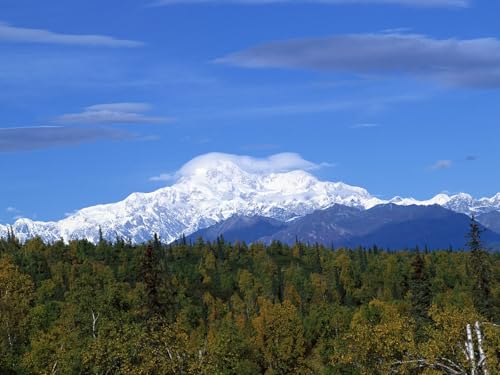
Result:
[456,346]
[379,336]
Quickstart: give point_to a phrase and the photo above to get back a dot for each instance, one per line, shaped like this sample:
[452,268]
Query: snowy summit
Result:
[212,188]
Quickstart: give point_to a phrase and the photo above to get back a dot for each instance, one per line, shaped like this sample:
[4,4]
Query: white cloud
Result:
[15,212]
[275,163]
[283,162]
[14,34]
[414,3]
[442,164]
[326,164]
[70,213]
[457,62]
[163,177]
[113,113]
[121,107]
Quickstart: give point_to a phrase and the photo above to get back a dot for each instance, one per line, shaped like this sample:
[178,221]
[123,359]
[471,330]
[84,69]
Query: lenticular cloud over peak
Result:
[278,163]
[213,187]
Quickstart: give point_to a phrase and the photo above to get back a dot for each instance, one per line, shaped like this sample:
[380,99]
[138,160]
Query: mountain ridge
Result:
[213,187]
[387,226]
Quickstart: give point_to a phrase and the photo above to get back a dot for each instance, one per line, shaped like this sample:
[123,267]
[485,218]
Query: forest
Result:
[231,308]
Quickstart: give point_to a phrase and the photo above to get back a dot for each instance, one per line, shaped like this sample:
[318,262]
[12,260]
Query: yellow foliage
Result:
[279,337]
[379,336]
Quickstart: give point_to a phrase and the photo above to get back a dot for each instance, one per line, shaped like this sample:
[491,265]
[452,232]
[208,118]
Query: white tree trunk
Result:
[449,367]
[54,368]
[169,354]
[482,356]
[95,318]
[9,336]
[469,345]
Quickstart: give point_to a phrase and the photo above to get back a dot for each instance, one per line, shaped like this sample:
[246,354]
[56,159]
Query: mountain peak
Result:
[209,189]
[214,187]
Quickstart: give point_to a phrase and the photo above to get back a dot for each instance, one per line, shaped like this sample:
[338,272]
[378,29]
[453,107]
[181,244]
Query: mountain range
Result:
[388,226]
[213,188]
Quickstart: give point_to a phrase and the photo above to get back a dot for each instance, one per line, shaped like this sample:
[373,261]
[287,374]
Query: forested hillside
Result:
[221,308]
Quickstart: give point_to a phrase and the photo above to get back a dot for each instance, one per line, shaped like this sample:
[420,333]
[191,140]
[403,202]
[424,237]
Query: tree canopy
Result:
[222,308]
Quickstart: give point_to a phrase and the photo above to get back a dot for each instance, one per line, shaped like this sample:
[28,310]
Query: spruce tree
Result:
[420,288]
[151,278]
[479,271]
[160,293]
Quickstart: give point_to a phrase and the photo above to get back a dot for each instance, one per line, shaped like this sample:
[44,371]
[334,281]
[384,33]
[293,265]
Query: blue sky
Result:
[97,97]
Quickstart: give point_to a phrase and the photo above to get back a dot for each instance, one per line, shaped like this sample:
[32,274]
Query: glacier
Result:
[212,188]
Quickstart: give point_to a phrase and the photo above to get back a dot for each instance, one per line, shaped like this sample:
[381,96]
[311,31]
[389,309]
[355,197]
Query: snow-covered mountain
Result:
[212,188]
[461,202]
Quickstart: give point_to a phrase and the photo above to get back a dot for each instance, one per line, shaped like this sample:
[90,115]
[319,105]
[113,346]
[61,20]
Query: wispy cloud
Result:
[41,137]
[366,105]
[445,164]
[442,164]
[457,62]
[326,164]
[12,34]
[413,3]
[113,113]
[15,212]
[163,177]
[121,107]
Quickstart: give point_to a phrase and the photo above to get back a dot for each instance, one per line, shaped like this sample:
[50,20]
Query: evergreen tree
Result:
[165,309]
[101,237]
[480,271]
[151,278]
[157,247]
[421,294]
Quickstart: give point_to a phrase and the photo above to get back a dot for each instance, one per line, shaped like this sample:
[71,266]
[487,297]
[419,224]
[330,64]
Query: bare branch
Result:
[490,324]
[422,363]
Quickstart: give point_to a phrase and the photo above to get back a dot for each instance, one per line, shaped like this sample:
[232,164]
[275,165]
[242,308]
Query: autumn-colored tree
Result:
[228,351]
[378,337]
[280,338]
[222,308]
[16,294]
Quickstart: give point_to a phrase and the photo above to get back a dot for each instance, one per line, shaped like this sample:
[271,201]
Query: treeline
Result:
[220,308]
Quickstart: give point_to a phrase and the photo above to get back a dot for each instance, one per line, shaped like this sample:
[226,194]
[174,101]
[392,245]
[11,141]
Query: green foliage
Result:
[420,295]
[480,272]
[221,308]
[16,294]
